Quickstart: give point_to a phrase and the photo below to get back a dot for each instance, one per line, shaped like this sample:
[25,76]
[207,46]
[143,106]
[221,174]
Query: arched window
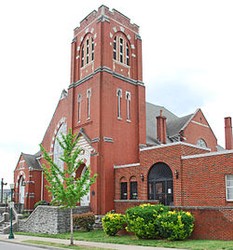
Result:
[88,103]
[201,143]
[21,189]
[79,107]
[128,100]
[160,184]
[124,188]
[92,49]
[133,188]
[119,96]
[121,50]
[87,51]
[58,150]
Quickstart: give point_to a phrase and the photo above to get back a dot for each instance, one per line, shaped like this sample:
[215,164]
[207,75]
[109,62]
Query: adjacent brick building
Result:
[142,152]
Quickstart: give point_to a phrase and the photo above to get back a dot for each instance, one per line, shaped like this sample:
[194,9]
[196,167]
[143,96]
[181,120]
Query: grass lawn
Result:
[99,236]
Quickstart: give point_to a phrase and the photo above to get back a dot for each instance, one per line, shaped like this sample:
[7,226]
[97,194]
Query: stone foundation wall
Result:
[49,219]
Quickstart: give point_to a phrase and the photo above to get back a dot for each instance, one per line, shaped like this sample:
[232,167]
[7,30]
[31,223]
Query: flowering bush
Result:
[176,225]
[142,220]
[112,223]
[156,221]
[85,221]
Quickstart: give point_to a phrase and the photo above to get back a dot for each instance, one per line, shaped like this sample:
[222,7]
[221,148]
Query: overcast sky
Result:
[187,62]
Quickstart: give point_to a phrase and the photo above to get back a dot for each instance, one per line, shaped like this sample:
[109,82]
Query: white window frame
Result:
[115,48]
[88,104]
[79,107]
[82,56]
[229,187]
[128,104]
[92,49]
[119,97]
[121,50]
[58,150]
[87,51]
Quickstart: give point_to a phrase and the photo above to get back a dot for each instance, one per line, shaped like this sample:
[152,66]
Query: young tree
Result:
[65,188]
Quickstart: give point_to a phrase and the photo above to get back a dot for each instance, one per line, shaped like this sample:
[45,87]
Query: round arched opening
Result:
[160,184]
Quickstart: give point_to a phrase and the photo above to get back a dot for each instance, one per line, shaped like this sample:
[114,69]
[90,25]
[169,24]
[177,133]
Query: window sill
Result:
[83,124]
[123,64]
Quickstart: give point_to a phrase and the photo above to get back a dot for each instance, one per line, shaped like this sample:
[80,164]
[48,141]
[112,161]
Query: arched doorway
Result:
[21,190]
[160,184]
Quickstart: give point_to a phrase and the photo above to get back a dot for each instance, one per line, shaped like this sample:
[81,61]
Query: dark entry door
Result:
[160,183]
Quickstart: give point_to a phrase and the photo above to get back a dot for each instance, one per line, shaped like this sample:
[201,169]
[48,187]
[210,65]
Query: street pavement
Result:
[13,246]
[20,240]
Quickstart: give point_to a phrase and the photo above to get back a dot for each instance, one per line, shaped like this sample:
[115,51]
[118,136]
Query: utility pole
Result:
[2,184]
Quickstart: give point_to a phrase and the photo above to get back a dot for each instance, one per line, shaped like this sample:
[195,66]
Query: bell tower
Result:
[107,96]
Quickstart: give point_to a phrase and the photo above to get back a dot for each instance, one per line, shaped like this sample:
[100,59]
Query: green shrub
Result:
[42,202]
[142,220]
[112,223]
[156,221]
[85,221]
[176,225]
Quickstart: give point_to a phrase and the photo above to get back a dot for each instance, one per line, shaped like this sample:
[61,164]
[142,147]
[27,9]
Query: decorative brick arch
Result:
[160,183]
[60,123]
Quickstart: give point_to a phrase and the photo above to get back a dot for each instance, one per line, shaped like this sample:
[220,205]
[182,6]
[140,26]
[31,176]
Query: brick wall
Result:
[203,179]
[169,154]
[199,128]
[122,206]
[212,223]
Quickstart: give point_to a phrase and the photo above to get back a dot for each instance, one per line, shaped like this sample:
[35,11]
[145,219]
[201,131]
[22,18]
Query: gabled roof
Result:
[85,141]
[152,111]
[32,160]
[174,124]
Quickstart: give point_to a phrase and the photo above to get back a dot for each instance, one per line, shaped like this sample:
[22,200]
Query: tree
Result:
[65,188]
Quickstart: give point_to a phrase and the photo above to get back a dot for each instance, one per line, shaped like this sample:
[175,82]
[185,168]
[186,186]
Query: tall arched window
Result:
[121,50]
[88,103]
[58,150]
[124,188]
[87,51]
[128,100]
[79,107]
[133,188]
[21,190]
[160,184]
[119,96]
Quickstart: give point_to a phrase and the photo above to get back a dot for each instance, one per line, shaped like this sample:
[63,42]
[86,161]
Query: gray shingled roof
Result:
[174,126]
[174,123]
[32,161]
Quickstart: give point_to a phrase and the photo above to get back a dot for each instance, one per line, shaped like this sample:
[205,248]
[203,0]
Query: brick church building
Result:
[142,152]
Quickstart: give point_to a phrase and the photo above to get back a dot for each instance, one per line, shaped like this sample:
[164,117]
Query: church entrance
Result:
[21,190]
[160,184]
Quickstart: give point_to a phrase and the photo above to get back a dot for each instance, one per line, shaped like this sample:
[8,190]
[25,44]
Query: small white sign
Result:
[12,204]
[169,190]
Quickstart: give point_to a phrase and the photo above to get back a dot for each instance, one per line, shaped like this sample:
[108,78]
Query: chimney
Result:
[161,128]
[228,133]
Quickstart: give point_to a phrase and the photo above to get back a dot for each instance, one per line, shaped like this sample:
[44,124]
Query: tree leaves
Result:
[67,189]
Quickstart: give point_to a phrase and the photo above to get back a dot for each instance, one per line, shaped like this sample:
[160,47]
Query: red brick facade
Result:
[105,105]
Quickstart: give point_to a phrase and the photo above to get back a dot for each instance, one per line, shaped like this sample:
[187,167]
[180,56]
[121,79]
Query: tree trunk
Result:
[71,227]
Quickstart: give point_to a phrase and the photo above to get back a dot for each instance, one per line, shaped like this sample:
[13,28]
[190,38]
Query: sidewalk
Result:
[20,239]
